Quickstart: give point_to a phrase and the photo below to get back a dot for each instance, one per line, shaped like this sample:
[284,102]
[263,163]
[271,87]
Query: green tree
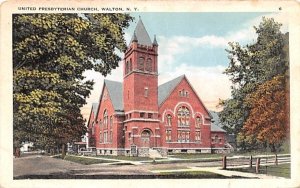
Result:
[50,54]
[249,67]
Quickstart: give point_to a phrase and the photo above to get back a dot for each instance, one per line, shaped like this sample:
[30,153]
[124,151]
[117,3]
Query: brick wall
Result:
[195,107]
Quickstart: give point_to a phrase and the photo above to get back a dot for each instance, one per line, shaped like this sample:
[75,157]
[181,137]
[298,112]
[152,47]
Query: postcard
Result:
[149,93]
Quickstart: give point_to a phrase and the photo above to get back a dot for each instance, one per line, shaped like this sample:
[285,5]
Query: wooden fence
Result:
[258,164]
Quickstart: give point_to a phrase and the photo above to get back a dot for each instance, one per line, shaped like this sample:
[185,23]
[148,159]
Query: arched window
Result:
[146,133]
[149,65]
[216,139]
[127,68]
[105,118]
[111,121]
[197,136]
[145,138]
[183,93]
[130,65]
[168,136]
[169,120]
[100,123]
[198,121]
[183,115]
[141,63]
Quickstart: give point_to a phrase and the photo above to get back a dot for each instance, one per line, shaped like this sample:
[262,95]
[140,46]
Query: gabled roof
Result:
[165,89]
[141,34]
[95,107]
[94,110]
[216,124]
[115,90]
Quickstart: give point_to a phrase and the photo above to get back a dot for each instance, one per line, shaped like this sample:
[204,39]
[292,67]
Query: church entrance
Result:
[145,138]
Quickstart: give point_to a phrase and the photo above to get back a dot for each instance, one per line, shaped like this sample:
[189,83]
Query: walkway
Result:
[217,170]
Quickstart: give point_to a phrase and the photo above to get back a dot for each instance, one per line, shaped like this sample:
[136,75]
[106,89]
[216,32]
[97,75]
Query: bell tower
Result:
[140,91]
[140,72]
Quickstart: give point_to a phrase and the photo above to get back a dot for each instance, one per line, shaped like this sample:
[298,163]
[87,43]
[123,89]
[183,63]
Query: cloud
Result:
[281,17]
[116,75]
[172,47]
[209,82]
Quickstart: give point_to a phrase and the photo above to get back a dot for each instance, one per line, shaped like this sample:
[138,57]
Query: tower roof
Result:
[154,41]
[141,34]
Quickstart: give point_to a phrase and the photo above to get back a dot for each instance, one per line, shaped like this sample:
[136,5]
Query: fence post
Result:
[276,159]
[224,163]
[257,165]
[250,162]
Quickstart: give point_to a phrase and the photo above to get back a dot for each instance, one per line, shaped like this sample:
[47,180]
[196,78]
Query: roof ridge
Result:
[140,34]
[165,89]
[115,92]
[172,80]
[106,80]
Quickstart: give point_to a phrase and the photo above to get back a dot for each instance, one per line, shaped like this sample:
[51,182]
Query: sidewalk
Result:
[217,170]
[115,161]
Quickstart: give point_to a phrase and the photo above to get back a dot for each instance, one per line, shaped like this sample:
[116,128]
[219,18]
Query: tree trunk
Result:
[63,150]
[52,151]
[273,148]
[18,153]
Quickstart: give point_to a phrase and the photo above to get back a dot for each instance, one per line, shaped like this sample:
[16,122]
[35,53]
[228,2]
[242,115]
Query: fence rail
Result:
[259,164]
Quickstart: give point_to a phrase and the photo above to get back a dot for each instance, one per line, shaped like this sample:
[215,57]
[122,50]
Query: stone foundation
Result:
[205,150]
[114,152]
[221,151]
[170,151]
[162,151]
[143,152]
[191,151]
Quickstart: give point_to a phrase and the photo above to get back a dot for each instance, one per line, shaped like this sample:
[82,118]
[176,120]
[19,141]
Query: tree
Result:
[268,121]
[50,54]
[249,67]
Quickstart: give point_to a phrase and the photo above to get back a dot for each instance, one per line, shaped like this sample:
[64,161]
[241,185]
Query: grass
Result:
[127,158]
[186,161]
[170,168]
[86,161]
[194,174]
[284,149]
[281,170]
[253,153]
[195,155]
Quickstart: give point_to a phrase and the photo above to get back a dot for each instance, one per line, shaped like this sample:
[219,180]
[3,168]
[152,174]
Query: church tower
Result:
[140,87]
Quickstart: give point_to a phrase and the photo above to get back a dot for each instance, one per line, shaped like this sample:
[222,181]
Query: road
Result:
[41,166]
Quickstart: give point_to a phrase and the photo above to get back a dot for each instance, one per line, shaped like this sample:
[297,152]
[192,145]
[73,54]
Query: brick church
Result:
[137,116]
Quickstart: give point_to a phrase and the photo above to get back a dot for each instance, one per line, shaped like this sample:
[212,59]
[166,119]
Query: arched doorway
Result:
[145,138]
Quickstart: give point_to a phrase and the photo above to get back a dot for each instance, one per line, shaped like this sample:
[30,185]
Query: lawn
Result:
[173,167]
[193,174]
[195,155]
[127,158]
[284,149]
[86,161]
[281,170]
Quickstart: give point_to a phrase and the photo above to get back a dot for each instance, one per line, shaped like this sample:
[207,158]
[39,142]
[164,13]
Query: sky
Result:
[192,44]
